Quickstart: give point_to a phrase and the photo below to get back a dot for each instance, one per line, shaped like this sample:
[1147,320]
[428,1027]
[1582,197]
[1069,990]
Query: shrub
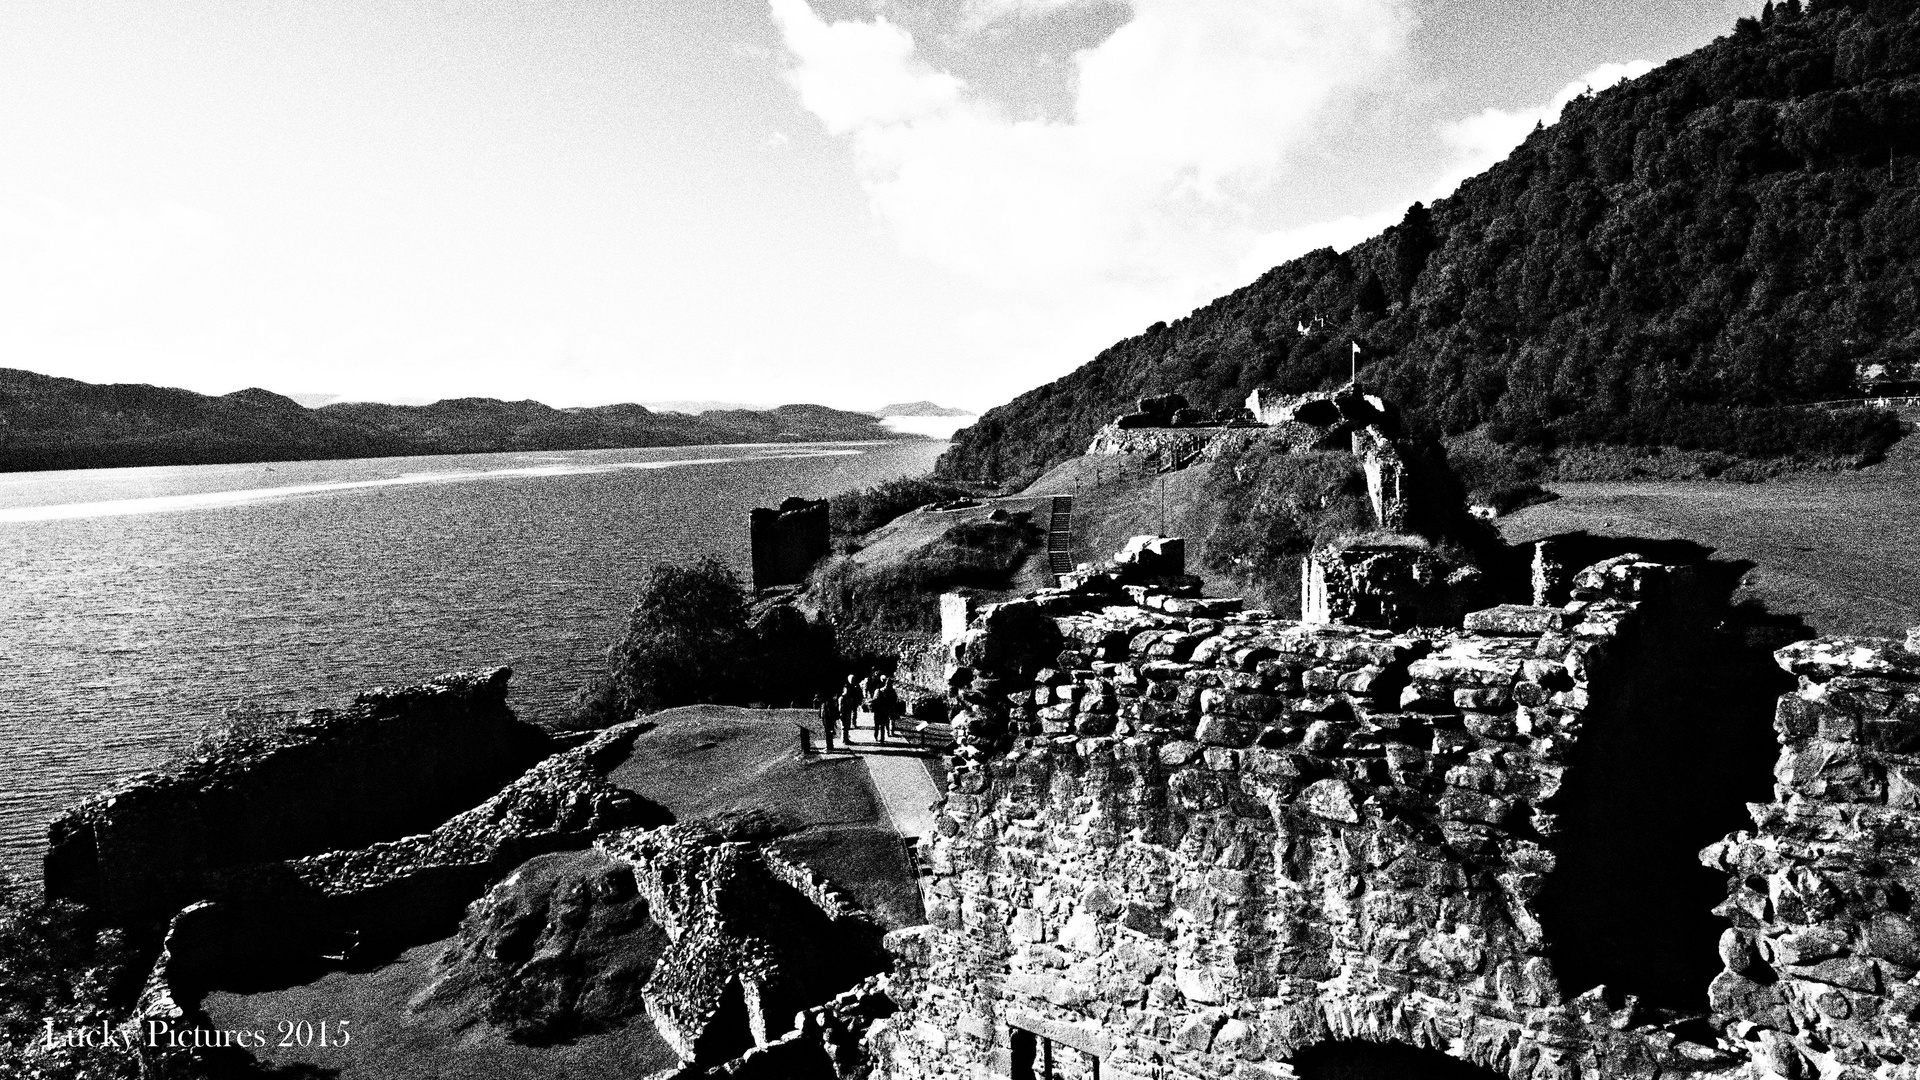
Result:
[55,965]
[1505,477]
[865,510]
[686,642]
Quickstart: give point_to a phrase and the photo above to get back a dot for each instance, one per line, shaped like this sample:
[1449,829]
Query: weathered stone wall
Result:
[1176,447]
[755,939]
[788,541]
[1196,842]
[1822,956]
[396,762]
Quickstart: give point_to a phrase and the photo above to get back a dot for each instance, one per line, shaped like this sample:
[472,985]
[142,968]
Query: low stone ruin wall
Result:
[1824,950]
[396,762]
[266,922]
[1191,843]
[1173,448]
[756,939]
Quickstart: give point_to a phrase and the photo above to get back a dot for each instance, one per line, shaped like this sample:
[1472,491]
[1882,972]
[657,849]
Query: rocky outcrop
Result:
[559,948]
[395,762]
[1197,841]
[1822,957]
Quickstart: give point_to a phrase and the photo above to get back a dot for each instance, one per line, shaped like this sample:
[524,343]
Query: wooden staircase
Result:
[1060,537]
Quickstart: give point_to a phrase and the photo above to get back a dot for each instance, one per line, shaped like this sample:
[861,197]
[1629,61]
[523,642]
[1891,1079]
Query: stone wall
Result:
[396,762]
[1822,956]
[1173,448]
[788,541]
[1195,842]
[755,939]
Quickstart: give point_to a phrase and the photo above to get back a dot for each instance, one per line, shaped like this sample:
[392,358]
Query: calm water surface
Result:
[135,604]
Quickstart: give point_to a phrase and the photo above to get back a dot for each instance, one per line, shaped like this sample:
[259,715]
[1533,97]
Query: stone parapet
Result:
[1822,957]
[1193,844]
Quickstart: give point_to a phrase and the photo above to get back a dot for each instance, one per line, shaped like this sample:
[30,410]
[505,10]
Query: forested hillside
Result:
[1679,261]
[54,423]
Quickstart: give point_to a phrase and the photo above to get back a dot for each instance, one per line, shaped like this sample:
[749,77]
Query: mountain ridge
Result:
[1682,260]
[51,422]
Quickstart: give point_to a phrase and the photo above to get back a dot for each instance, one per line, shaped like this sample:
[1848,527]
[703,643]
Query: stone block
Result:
[1822,658]
[1220,759]
[1229,731]
[1332,799]
[1179,752]
[1480,697]
[1516,619]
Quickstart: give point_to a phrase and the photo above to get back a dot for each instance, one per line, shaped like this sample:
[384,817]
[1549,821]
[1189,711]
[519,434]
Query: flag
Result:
[1356,350]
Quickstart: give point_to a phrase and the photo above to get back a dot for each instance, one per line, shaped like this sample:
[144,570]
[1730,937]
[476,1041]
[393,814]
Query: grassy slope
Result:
[1836,549]
[900,538]
[710,759]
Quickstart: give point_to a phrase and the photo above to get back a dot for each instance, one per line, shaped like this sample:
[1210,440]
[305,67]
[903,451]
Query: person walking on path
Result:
[849,703]
[886,702]
[829,713]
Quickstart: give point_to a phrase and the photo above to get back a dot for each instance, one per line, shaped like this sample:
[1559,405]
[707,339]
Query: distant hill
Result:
[697,407]
[54,423]
[919,408]
[1676,262]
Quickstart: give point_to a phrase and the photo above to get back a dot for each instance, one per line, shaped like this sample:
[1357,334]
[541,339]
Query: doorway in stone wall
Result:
[1036,1058]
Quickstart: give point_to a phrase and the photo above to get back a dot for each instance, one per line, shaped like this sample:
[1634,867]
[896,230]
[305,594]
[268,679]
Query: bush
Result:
[1505,477]
[686,642]
[905,595]
[865,510]
[55,965]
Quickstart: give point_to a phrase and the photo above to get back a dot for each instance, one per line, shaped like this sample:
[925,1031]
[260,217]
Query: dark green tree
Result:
[686,642]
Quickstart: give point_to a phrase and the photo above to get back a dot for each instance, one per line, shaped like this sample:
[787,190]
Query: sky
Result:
[848,202]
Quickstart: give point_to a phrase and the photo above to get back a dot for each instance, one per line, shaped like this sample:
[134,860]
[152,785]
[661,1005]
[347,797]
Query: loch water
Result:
[137,604]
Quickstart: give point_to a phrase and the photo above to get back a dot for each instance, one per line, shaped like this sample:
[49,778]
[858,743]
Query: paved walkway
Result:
[906,790]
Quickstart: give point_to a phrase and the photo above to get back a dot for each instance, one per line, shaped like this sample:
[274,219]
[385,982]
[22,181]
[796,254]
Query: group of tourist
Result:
[875,694]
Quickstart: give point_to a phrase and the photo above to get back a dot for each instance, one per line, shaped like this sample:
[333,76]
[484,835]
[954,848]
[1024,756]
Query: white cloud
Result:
[1184,122]
[1481,140]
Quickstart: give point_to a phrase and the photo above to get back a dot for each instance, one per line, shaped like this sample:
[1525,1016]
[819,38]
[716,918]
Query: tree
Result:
[686,642]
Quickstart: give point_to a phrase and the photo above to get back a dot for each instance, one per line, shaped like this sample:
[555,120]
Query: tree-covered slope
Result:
[54,423]
[1676,262]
